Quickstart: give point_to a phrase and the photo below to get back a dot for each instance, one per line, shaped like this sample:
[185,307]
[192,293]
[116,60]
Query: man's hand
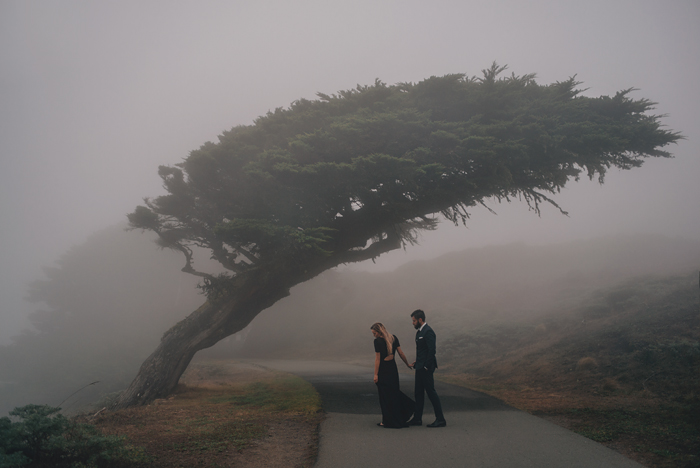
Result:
[412,365]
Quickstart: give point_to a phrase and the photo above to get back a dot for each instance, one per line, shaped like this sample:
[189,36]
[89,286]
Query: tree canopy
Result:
[324,178]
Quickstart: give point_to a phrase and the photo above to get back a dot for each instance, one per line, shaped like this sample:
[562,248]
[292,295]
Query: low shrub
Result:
[42,437]
[610,385]
[587,363]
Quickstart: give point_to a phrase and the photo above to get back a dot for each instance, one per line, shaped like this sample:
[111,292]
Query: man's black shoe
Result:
[438,424]
[413,422]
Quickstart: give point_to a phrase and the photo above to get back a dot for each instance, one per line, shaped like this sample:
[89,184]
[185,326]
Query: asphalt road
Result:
[481,431]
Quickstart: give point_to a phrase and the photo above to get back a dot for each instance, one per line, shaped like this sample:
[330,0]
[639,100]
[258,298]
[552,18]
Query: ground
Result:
[653,431]
[620,365]
[224,414]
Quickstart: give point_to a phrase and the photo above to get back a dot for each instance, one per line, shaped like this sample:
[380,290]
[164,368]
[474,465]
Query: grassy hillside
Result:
[621,366]
[640,335]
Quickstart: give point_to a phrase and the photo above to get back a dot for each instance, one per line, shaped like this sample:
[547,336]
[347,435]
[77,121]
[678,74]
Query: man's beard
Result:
[416,326]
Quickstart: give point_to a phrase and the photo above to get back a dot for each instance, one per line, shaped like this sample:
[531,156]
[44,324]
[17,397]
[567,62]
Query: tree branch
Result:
[188,258]
[222,256]
[391,242]
[248,256]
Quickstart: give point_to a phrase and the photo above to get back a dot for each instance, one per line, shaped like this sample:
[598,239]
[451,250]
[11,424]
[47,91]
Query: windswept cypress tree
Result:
[350,176]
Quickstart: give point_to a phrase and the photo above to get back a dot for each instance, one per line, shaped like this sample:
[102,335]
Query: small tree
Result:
[350,176]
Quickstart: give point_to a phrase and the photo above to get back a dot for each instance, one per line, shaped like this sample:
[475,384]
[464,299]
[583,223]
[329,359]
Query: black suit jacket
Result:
[426,349]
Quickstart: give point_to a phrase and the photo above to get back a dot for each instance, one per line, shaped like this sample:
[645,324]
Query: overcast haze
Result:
[95,95]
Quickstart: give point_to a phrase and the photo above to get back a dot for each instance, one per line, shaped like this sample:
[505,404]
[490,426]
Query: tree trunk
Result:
[159,374]
[250,293]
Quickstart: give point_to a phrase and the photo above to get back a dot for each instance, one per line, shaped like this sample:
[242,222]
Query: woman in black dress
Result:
[397,408]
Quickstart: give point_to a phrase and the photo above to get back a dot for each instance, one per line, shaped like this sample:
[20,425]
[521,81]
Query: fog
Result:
[330,316]
[108,301]
[100,312]
[95,95]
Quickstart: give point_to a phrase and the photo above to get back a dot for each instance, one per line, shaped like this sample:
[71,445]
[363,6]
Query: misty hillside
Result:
[459,292]
[642,333]
[620,365]
[101,310]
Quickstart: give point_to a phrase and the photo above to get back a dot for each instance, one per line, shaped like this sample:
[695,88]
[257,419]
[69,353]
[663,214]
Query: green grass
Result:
[289,394]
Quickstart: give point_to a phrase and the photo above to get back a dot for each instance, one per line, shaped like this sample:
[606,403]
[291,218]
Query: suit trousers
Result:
[426,384]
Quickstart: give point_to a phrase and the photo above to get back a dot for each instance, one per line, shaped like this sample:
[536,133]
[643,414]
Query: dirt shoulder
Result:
[225,414]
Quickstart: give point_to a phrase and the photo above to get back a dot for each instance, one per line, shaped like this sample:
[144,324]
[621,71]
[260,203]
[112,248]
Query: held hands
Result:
[411,366]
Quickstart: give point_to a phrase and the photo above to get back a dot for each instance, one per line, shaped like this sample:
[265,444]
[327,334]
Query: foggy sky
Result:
[95,95]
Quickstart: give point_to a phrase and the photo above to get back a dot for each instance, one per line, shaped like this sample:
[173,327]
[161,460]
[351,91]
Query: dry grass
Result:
[225,414]
[623,371]
[643,427]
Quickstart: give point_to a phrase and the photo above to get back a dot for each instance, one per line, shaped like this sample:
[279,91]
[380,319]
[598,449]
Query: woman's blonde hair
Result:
[388,337]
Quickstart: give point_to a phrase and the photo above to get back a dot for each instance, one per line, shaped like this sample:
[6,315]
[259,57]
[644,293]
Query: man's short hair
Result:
[418,314]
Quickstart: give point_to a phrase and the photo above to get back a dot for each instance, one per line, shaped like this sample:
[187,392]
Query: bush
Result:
[610,385]
[42,437]
[587,363]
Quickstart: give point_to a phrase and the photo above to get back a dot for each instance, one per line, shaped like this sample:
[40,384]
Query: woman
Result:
[397,408]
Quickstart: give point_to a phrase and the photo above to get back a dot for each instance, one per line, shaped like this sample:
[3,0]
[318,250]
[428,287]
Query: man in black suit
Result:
[424,366]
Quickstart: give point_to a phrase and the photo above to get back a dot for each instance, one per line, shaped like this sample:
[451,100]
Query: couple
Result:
[397,408]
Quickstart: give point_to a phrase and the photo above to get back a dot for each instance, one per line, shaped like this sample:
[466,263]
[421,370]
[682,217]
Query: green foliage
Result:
[44,438]
[143,218]
[273,238]
[323,178]
[216,288]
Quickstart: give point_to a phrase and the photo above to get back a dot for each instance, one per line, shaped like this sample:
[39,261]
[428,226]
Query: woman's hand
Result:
[403,357]
[376,378]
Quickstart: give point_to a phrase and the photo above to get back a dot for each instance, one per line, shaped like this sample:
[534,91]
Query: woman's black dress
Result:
[397,408]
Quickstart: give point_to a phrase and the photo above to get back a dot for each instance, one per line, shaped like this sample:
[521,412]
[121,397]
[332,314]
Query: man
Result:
[424,366]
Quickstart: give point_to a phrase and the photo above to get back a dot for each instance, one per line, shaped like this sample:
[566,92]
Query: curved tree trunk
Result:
[250,293]
[160,373]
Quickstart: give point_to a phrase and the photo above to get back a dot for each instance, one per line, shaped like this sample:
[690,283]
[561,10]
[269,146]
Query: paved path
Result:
[481,432]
